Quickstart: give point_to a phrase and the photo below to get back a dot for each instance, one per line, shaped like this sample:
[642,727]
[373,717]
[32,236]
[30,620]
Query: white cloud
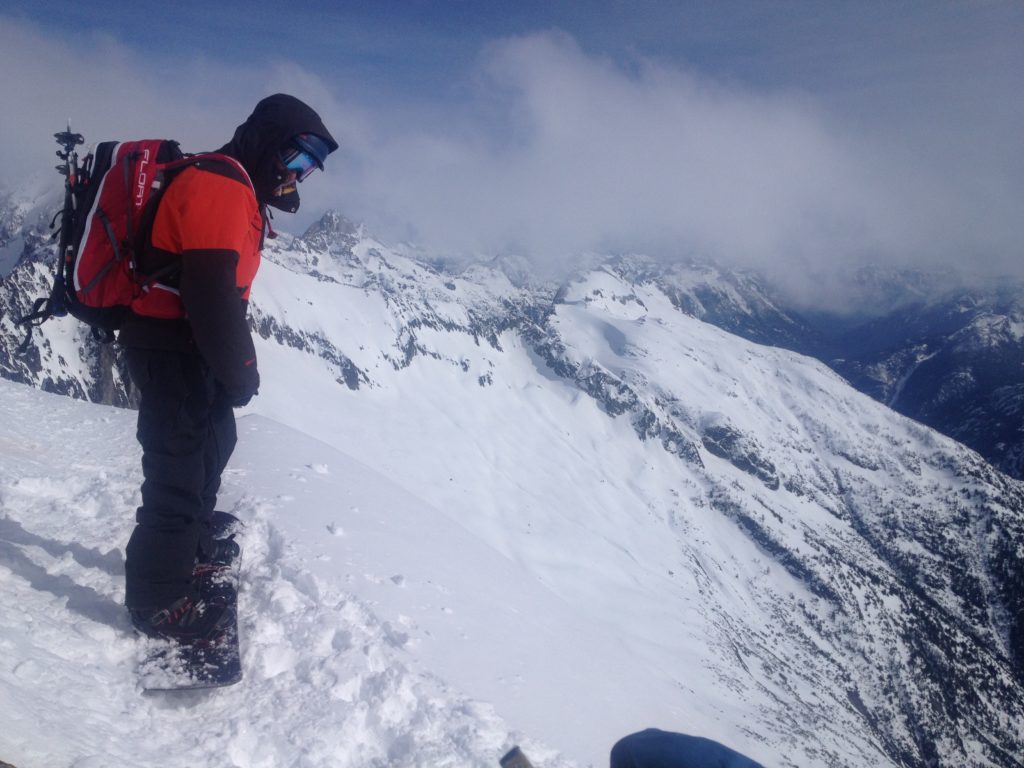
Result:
[111,91]
[108,91]
[553,152]
[591,155]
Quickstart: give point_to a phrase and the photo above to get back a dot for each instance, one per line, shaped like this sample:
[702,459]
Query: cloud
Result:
[112,91]
[549,151]
[561,152]
[105,88]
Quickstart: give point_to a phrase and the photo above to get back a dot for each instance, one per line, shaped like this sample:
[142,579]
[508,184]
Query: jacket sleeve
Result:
[207,218]
[217,315]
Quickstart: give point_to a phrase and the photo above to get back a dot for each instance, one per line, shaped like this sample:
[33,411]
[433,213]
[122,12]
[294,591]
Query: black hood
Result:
[256,143]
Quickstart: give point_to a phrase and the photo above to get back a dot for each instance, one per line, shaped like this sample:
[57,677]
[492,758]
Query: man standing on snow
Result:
[192,359]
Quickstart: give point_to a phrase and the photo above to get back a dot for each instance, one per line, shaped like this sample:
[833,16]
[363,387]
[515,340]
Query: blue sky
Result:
[786,135]
[412,48]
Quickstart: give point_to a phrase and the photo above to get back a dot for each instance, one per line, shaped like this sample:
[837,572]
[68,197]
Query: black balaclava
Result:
[257,141]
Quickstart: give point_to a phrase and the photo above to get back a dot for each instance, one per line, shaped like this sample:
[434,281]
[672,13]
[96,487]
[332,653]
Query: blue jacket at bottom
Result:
[660,749]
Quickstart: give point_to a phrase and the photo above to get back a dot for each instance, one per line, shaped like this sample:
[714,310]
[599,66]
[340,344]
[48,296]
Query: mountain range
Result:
[944,352]
[657,445]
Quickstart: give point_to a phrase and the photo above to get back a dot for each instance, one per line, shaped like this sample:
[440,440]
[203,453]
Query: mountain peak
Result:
[331,231]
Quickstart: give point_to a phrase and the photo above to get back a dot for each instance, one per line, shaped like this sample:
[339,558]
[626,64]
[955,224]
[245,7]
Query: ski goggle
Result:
[304,154]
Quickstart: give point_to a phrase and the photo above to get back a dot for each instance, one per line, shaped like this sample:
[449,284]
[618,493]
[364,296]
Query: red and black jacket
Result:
[210,226]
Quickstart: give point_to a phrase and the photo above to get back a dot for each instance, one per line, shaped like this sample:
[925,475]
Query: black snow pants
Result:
[187,432]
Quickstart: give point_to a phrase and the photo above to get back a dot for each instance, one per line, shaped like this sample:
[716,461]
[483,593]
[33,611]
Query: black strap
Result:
[109,229]
[102,335]
[38,312]
[99,275]
[41,312]
[161,273]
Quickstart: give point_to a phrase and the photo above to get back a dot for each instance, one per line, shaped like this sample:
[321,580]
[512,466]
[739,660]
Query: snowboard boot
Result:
[223,550]
[216,574]
[203,622]
[223,524]
[221,557]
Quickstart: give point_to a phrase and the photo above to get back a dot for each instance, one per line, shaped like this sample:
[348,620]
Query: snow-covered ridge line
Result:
[838,492]
[792,568]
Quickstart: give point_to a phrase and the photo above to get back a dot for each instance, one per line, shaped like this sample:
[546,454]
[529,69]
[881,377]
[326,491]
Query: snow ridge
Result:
[328,682]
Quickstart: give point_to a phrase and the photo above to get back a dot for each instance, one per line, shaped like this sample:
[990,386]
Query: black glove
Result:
[239,395]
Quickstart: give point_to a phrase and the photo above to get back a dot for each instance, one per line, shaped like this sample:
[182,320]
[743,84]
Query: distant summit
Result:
[332,232]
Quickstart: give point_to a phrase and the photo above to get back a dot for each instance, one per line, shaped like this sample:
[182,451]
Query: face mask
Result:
[287,200]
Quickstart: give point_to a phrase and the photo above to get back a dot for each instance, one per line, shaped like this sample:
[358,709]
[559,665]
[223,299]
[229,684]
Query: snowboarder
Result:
[191,357]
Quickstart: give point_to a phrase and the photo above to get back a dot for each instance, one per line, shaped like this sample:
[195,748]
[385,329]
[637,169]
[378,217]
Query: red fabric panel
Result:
[201,211]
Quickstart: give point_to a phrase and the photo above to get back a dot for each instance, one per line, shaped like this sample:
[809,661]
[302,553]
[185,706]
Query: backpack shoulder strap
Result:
[213,162]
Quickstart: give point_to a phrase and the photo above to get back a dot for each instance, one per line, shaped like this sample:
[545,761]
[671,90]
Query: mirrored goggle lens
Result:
[302,163]
[317,147]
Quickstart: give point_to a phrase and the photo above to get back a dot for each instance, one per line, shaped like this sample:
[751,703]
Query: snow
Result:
[358,648]
[32,207]
[466,549]
[332,626]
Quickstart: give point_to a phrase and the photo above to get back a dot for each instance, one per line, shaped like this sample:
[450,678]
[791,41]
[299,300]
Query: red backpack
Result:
[109,207]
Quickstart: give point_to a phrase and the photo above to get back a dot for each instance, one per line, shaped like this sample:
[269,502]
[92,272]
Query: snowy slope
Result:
[480,508]
[330,548]
[754,528]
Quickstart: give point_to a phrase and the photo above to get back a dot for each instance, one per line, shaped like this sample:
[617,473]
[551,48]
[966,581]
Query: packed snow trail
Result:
[328,683]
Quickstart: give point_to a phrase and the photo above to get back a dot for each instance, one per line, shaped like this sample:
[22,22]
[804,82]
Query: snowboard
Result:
[170,666]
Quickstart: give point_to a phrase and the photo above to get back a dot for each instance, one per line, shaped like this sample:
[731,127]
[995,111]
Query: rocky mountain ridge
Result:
[948,355]
[880,620]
